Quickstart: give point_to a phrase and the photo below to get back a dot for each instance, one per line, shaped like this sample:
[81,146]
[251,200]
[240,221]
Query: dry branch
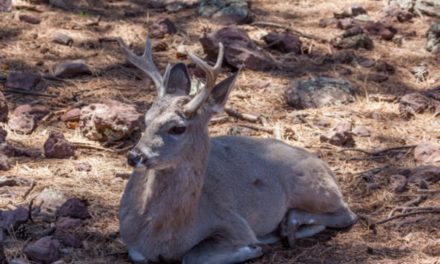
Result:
[304,35]
[243,116]
[421,210]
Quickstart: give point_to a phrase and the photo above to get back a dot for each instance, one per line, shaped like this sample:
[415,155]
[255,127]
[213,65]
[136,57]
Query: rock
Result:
[45,250]
[340,135]
[226,11]
[366,63]
[420,71]
[68,239]
[344,56]
[357,10]
[65,224]
[61,38]
[83,166]
[4,163]
[47,203]
[240,50]
[24,81]
[345,23]
[377,77]
[353,31]
[74,208]
[5,5]
[404,16]
[362,18]
[319,92]
[360,41]
[384,67]
[426,173]
[4,109]
[3,135]
[12,181]
[285,43]
[382,98]
[433,38]
[31,19]
[341,15]
[13,151]
[398,183]
[24,118]
[71,115]
[71,69]
[325,22]
[386,32]
[13,218]
[57,147]
[415,103]
[162,27]
[109,121]
[361,131]
[427,153]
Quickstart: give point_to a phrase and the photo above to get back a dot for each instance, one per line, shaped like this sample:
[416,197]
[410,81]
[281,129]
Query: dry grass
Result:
[409,240]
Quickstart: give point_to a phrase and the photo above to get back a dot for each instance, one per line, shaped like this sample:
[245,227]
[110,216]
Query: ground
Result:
[413,239]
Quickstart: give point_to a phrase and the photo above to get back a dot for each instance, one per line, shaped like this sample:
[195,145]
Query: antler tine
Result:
[211,76]
[144,63]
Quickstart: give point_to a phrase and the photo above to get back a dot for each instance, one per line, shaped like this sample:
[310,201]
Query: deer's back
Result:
[262,178]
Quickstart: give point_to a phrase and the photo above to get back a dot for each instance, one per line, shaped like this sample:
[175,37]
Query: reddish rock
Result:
[4,163]
[4,110]
[162,27]
[240,50]
[23,80]
[57,147]
[74,208]
[109,121]
[386,32]
[12,218]
[24,118]
[68,224]
[71,69]
[427,153]
[45,250]
[71,115]
[285,43]
[340,135]
[31,19]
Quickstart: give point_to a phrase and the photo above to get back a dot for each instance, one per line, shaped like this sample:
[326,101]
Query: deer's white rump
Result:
[200,200]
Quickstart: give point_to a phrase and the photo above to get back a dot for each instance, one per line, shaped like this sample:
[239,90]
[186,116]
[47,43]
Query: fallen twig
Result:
[89,146]
[304,35]
[29,190]
[258,128]
[243,116]
[409,205]
[428,210]
[377,152]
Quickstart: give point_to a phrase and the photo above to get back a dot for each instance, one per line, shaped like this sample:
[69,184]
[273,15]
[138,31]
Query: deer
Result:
[196,199]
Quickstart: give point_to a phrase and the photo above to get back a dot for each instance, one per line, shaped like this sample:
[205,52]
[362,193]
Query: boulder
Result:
[240,50]
[109,121]
[73,208]
[71,69]
[57,147]
[45,250]
[24,119]
[226,11]
[62,39]
[4,109]
[319,92]
[283,42]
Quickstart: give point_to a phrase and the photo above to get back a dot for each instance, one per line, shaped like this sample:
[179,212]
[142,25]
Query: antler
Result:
[211,76]
[145,63]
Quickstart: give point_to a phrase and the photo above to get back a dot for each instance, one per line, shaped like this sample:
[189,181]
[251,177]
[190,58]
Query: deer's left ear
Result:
[220,93]
[177,80]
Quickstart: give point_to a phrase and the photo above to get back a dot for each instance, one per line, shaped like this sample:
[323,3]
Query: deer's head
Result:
[176,123]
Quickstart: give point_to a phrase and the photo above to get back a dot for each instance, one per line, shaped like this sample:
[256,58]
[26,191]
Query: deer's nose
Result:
[134,158]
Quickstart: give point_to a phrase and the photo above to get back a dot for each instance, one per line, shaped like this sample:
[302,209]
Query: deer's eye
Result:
[177,130]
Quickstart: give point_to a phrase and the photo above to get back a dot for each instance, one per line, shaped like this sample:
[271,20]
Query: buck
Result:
[196,199]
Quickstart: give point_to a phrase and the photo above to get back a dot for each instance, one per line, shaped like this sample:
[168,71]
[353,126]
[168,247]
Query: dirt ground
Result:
[413,239]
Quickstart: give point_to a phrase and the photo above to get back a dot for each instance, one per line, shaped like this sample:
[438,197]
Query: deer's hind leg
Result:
[300,224]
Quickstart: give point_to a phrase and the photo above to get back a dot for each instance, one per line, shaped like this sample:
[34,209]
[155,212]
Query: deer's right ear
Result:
[177,81]
[220,93]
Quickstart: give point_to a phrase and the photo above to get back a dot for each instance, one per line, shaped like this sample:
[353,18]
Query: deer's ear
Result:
[220,93]
[177,80]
